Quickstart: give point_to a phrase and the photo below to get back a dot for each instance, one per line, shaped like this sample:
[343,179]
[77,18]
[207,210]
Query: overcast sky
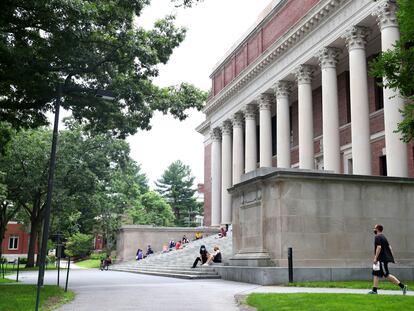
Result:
[213,27]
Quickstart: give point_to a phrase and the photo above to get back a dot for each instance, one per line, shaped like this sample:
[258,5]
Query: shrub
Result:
[97,255]
[23,260]
[79,245]
[51,259]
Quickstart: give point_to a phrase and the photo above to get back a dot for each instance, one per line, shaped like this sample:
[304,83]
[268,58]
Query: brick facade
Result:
[260,41]
[14,229]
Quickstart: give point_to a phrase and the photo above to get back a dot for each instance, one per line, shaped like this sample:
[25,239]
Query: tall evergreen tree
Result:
[177,187]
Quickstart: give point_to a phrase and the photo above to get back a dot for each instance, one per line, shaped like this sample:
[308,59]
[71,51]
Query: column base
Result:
[255,259]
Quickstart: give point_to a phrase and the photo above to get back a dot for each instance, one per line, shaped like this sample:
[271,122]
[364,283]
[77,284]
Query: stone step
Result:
[195,271]
[177,263]
[172,275]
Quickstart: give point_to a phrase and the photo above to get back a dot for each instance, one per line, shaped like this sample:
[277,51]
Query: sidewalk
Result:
[319,290]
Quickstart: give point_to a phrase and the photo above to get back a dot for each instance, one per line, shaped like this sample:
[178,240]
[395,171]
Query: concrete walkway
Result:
[110,290]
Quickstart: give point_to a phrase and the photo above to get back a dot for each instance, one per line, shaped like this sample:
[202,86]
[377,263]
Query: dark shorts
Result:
[383,271]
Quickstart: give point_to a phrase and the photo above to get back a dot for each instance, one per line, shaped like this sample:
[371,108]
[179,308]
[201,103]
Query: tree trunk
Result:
[34,229]
[35,223]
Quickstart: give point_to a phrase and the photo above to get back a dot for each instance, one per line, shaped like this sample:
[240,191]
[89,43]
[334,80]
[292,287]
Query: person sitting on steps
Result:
[203,256]
[215,257]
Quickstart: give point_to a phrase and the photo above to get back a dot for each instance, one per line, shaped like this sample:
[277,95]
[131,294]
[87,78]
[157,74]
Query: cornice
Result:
[276,7]
[309,22]
[203,127]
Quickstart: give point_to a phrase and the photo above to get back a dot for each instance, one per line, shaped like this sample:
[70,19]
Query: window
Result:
[383,165]
[348,98]
[350,169]
[379,95]
[14,242]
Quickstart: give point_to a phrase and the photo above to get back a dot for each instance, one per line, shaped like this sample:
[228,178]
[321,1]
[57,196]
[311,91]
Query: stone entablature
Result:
[309,20]
[281,18]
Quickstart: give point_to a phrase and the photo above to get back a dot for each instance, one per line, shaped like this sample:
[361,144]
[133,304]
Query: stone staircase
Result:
[177,263]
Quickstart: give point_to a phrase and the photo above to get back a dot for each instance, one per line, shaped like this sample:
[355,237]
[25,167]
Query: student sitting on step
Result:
[203,256]
[215,257]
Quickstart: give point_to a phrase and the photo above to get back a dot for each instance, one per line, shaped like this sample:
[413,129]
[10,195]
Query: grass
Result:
[385,285]
[89,263]
[4,280]
[329,302]
[11,268]
[23,297]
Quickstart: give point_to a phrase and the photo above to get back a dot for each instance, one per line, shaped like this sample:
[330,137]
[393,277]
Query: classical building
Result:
[295,92]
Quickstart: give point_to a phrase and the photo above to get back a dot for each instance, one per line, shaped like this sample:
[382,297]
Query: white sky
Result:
[213,27]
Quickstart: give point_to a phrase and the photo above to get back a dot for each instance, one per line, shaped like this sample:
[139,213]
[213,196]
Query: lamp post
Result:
[107,95]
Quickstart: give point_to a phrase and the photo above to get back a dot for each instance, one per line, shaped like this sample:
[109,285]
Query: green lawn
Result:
[329,302]
[3,281]
[89,263]
[10,267]
[23,297]
[352,284]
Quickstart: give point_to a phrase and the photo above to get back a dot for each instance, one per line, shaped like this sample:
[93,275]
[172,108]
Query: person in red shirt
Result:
[178,245]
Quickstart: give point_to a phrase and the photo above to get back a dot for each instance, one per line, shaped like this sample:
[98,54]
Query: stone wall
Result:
[326,218]
[132,237]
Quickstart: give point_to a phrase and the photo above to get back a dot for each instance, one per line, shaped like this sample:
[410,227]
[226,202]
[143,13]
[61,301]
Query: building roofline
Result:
[262,19]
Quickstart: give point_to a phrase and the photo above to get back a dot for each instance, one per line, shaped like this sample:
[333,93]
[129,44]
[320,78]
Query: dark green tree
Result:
[177,187]
[87,168]
[87,45]
[7,209]
[79,245]
[152,209]
[397,66]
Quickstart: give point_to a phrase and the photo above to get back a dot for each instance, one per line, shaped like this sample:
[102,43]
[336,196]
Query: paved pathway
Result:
[110,290]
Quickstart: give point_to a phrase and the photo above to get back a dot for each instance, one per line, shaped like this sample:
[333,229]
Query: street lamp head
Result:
[104,94]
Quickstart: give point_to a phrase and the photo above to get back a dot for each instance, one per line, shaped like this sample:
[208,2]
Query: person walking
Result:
[383,256]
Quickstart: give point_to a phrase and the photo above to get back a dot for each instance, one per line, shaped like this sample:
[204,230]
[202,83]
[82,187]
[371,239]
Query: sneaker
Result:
[372,293]
[404,290]
[204,265]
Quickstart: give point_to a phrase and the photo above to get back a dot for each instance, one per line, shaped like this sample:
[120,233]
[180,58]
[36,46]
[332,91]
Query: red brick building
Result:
[275,100]
[16,241]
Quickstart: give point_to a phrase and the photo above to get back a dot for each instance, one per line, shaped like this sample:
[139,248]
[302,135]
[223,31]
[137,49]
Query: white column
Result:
[238,148]
[396,149]
[282,91]
[215,177]
[226,174]
[328,59]
[265,106]
[251,144]
[361,142]
[304,75]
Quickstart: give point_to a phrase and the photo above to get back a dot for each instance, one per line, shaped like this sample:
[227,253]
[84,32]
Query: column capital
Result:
[226,128]
[265,101]
[328,57]
[356,37]
[304,74]
[250,112]
[238,120]
[385,13]
[215,134]
[283,89]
